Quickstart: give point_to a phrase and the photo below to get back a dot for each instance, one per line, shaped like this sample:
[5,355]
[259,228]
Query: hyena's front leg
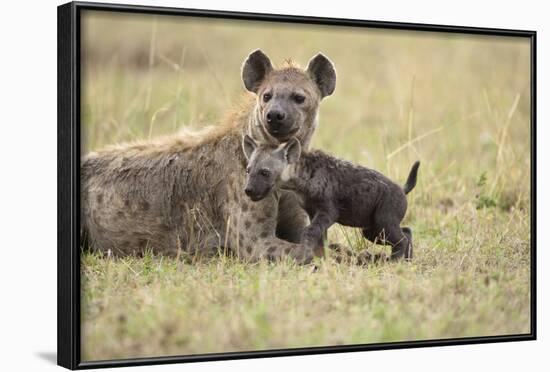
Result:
[275,249]
[252,236]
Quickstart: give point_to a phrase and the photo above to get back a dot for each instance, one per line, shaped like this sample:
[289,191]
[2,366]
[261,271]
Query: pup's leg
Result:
[291,218]
[385,226]
[370,234]
[398,240]
[388,231]
[313,235]
[408,233]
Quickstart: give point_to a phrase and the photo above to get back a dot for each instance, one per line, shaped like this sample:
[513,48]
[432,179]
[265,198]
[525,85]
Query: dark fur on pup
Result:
[332,190]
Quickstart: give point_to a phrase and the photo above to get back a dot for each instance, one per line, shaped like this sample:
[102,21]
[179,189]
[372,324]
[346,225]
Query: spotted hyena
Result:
[185,194]
[332,190]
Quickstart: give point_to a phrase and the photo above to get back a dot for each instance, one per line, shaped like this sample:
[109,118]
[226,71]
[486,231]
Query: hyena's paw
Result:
[341,253]
[337,247]
[365,258]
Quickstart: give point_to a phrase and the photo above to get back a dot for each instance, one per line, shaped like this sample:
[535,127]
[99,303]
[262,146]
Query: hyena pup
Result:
[332,190]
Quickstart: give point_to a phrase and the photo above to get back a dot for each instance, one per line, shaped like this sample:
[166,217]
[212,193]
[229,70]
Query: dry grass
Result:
[460,104]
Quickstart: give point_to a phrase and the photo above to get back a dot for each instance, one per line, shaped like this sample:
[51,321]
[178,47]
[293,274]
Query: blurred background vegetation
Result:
[459,103]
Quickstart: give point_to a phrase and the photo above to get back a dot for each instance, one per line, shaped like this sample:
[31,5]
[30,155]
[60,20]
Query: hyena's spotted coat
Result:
[185,193]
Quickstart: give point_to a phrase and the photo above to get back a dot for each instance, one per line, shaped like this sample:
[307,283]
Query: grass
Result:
[460,104]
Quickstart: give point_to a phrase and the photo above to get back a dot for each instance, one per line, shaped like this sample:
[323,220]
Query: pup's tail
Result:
[411,180]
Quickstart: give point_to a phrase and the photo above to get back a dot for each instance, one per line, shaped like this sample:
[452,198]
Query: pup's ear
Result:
[255,68]
[249,145]
[292,150]
[321,70]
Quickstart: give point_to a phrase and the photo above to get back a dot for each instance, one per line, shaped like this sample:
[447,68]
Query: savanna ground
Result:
[460,104]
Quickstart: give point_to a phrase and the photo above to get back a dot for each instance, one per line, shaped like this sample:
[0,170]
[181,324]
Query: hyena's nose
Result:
[275,116]
[248,191]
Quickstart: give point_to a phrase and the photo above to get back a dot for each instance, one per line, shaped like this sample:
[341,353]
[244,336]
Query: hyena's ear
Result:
[322,71]
[292,150]
[255,68]
[249,145]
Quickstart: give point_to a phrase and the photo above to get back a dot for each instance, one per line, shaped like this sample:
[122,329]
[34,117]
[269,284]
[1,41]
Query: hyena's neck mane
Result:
[234,123]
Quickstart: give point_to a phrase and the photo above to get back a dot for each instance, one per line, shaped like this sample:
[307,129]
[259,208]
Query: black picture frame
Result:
[68,168]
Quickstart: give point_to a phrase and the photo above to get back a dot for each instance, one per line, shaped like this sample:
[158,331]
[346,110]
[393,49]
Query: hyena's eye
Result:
[267,97]
[247,170]
[265,172]
[298,98]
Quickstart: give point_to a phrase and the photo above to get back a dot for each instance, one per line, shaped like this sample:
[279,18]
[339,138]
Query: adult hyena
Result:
[185,193]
